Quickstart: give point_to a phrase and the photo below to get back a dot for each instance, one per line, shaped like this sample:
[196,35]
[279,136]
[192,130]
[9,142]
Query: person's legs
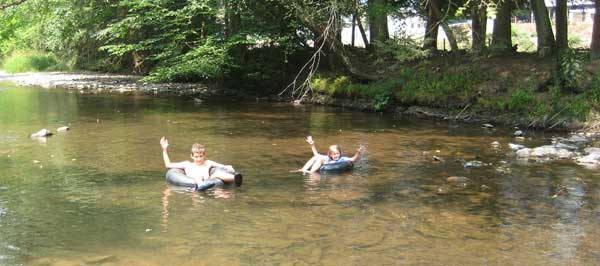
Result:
[228,177]
[307,165]
[315,167]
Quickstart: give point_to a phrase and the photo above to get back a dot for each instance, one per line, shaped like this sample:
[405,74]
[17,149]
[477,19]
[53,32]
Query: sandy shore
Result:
[94,82]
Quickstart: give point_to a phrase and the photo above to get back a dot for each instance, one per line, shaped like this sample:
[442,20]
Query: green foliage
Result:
[579,107]
[576,41]
[433,88]
[379,92]
[523,40]
[381,101]
[206,62]
[519,100]
[25,61]
[340,86]
[402,50]
[594,91]
[570,72]
[549,107]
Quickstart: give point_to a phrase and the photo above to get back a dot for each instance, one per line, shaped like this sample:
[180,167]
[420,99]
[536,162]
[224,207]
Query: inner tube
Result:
[177,177]
[336,167]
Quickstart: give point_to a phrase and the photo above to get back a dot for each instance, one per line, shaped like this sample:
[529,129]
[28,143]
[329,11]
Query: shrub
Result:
[570,72]
[523,40]
[519,100]
[402,50]
[24,61]
[594,91]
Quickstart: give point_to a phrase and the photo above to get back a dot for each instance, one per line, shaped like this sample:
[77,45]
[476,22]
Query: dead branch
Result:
[300,89]
[13,3]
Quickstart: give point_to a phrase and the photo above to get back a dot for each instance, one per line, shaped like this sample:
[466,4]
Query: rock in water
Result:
[42,133]
[515,146]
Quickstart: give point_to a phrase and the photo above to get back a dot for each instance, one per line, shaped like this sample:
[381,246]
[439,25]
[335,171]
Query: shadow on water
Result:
[96,195]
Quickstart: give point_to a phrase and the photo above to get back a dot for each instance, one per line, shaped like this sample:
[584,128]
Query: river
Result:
[96,194]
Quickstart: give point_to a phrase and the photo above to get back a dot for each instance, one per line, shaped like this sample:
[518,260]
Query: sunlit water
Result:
[96,195]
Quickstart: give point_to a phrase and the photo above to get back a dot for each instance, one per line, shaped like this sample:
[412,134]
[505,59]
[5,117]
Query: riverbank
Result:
[88,82]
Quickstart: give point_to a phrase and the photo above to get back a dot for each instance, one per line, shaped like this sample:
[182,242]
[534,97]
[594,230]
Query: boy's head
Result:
[198,152]
[334,152]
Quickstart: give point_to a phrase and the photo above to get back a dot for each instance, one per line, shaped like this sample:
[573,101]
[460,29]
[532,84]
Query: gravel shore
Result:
[94,82]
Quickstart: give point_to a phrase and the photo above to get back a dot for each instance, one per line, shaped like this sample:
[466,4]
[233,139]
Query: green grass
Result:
[31,61]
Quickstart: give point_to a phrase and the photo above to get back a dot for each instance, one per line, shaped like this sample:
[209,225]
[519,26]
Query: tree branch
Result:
[4,6]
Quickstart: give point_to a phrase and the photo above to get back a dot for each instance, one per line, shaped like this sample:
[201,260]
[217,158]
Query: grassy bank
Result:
[521,89]
[32,61]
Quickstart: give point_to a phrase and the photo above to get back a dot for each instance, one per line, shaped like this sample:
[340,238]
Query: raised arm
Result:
[310,141]
[164,143]
[359,151]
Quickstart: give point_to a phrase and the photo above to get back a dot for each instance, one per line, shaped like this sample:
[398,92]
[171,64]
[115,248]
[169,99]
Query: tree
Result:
[357,15]
[595,45]
[561,25]
[378,24]
[431,26]
[501,35]
[478,25]
[545,37]
[443,22]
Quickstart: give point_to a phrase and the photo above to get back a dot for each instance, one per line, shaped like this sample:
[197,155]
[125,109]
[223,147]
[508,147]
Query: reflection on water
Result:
[96,195]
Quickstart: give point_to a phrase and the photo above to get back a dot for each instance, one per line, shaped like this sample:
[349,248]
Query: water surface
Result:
[96,195]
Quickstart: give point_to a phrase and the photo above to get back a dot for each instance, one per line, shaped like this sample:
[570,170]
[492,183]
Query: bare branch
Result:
[4,6]
[300,90]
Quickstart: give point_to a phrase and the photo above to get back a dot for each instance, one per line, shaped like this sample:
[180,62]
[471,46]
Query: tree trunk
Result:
[431,28]
[562,37]
[363,34]
[478,27]
[353,29]
[595,45]
[377,15]
[545,37]
[501,35]
[233,20]
[450,36]
[449,33]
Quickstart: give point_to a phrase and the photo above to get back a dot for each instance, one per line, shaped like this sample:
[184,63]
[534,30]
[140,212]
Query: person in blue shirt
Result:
[334,154]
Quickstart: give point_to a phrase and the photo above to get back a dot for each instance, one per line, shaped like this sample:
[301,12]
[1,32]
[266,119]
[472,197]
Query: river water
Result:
[96,195]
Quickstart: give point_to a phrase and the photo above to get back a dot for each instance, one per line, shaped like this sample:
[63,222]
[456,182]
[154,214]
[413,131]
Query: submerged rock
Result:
[438,159]
[513,146]
[457,179]
[545,152]
[592,157]
[574,139]
[503,169]
[565,146]
[473,164]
